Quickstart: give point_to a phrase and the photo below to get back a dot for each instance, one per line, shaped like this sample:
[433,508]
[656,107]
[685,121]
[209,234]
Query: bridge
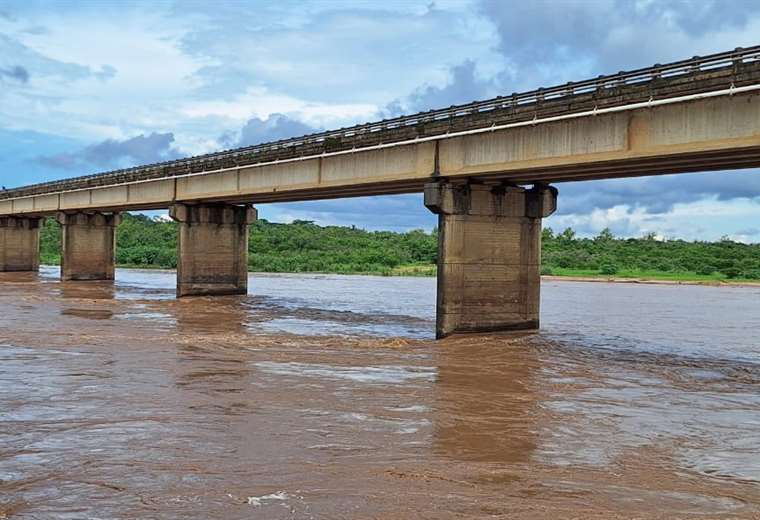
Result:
[485,168]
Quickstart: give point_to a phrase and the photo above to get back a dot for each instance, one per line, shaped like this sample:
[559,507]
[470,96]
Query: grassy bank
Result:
[304,247]
[595,274]
[661,276]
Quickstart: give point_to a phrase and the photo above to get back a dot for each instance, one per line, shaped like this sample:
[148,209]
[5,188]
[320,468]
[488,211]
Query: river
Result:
[321,396]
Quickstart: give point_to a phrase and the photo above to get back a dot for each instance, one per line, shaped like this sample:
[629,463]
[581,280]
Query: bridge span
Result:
[485,168]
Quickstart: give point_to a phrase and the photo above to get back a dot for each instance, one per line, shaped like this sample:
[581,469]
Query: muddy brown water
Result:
[326,397]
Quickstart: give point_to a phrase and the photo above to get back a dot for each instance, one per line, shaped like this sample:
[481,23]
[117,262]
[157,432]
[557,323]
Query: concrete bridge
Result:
[485,169]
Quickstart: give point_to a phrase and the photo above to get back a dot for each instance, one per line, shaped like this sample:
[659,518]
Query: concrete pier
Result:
[212,250]
[19,243]
[88,243]
[489,255]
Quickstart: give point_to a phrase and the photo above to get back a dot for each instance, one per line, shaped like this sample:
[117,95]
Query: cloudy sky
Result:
[92,86]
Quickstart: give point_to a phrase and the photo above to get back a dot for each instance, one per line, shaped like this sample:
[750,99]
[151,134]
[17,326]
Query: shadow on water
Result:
[215,368]
[92,290]
[23,277]
[485,406]
[93,314]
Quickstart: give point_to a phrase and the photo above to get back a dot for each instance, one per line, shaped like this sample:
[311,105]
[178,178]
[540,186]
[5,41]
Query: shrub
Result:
[731,272]
[608,269]
[706,270]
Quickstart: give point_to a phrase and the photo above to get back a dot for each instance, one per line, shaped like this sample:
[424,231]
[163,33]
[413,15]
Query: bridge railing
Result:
[597,87]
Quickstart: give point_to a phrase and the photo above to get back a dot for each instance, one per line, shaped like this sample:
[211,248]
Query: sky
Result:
[92,86]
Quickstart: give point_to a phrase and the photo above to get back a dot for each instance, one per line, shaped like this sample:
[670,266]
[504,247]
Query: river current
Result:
[320,396]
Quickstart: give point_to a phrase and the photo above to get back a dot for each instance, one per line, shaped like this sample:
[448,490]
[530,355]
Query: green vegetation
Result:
[282,248]
[306,247]
[50,243]
[565,254]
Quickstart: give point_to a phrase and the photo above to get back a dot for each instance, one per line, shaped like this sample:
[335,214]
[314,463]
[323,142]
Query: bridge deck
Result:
[734,69]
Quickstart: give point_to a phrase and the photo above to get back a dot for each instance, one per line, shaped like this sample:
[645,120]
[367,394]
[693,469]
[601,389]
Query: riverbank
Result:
[649,277]
[652,281]
[580,275]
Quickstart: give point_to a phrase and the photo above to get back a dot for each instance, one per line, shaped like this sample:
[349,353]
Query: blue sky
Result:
[92,86]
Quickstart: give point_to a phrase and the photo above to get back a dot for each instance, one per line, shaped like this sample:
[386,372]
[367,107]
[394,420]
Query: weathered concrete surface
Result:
[718,133]
[19,244]
[88,243]
[212,256]
[489,255]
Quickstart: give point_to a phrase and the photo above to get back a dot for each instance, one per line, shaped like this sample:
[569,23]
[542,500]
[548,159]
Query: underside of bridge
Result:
[471,161]
[488,261]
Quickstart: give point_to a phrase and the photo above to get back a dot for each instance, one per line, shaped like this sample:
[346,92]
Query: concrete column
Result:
[19,243]
[88,242]
[489,255]
[212,250]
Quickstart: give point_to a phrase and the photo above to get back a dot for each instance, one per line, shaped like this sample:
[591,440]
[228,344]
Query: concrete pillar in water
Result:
[20,243]
[489,255]
[212,250]
[88,243]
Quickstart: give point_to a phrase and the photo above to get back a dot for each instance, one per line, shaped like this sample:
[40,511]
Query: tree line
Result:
[303,246]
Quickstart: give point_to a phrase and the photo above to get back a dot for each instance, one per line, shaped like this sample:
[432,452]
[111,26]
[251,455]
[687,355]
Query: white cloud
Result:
[704,219]
[261,103]
[340,52]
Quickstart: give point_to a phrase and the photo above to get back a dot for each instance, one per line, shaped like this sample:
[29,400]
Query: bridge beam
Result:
[88,243]
[489,255]
[212,250]
[19,244]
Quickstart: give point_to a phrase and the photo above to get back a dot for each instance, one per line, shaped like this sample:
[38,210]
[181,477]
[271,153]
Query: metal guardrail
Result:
[596,86]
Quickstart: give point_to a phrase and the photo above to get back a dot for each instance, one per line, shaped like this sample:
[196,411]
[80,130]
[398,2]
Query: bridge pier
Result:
[88,243]
[19,243]
[212,250]
[489,255]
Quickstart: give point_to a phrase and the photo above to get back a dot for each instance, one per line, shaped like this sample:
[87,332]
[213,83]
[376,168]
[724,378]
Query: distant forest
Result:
[303,246]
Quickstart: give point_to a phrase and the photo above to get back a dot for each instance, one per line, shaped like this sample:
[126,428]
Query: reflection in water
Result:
[485,405]
[321,397]
[94,314]
[202,315]
[89,290]
[210,369]
[23,277]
